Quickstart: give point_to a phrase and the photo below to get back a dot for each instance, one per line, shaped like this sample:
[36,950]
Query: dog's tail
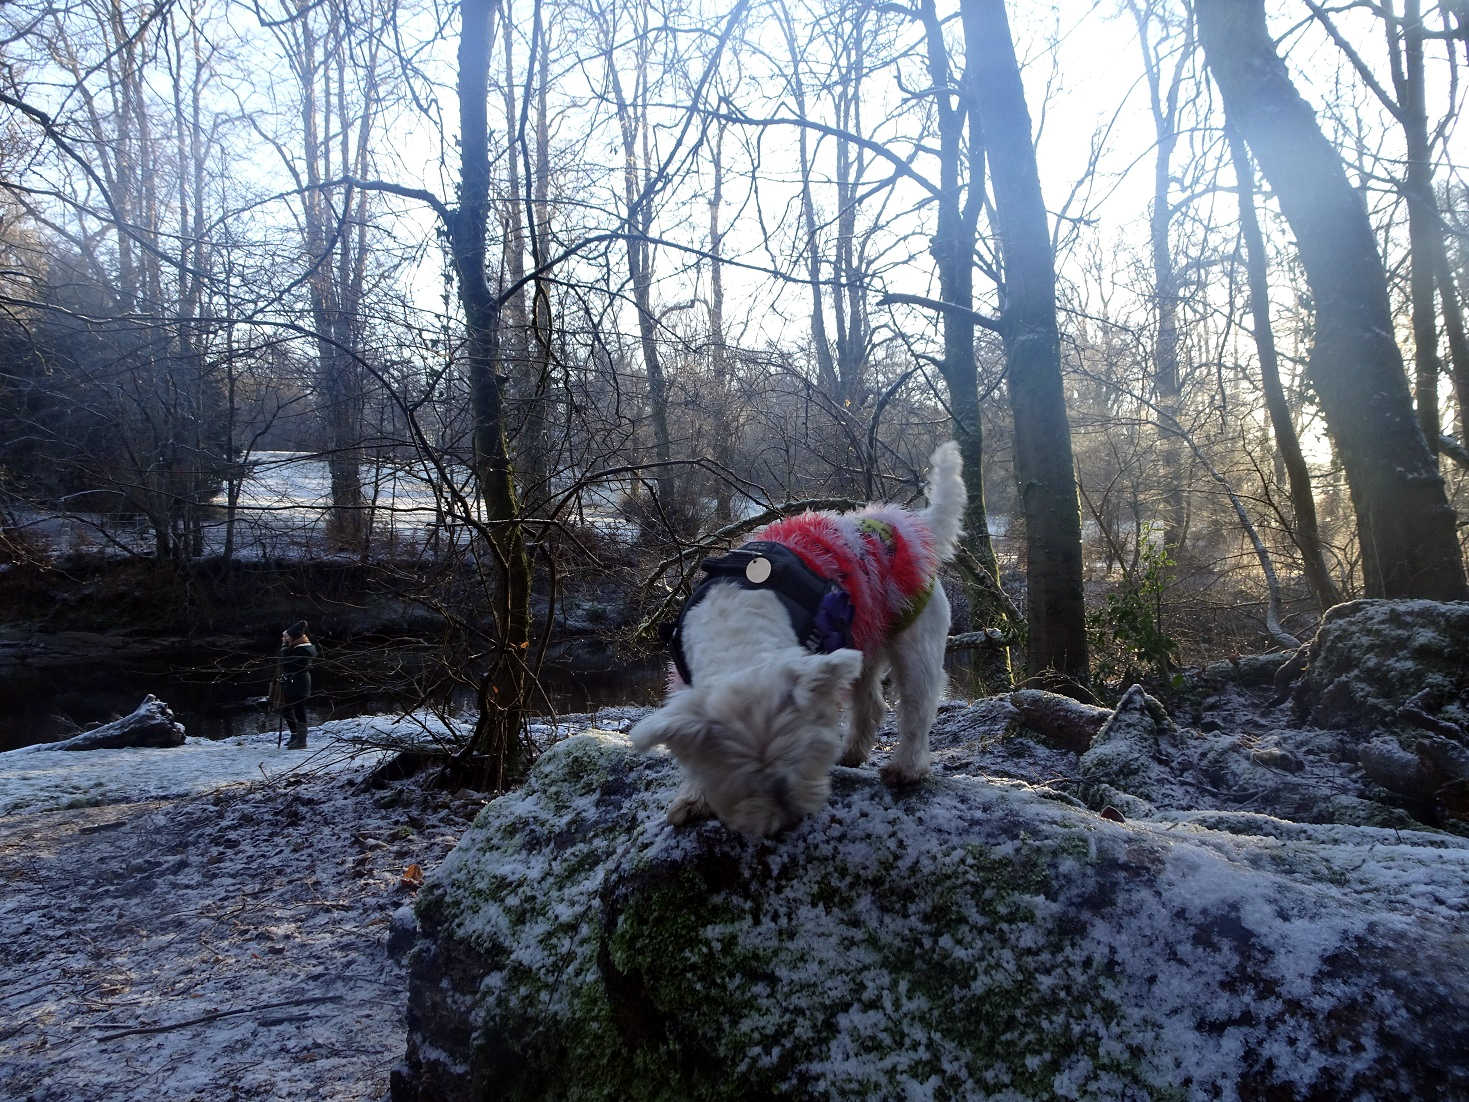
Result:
[946,499]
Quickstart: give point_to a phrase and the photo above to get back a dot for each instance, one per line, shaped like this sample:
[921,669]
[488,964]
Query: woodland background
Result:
[1186,280]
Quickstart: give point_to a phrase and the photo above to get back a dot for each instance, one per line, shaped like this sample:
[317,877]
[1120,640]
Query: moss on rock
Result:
[965,940]
[1371,657]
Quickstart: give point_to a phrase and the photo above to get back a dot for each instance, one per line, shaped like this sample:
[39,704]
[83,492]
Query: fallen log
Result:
[1058,720]
[150,724]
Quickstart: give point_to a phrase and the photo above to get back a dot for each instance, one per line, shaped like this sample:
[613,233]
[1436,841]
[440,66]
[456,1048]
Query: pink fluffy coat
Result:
[882,556]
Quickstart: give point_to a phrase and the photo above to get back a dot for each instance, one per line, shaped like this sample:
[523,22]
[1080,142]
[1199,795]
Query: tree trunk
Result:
[820,345]
[1405,525]
[637,198]
[959,204]
[1423,221]
[849,288]
[338,378]
[1453,314]
[538,217]
[497,743]
[1043,461]
[1166,382]
[722,411]
[527,414]
[1307,535]
[151,723]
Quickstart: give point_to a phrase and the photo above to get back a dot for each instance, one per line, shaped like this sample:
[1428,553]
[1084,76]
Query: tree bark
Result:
[959,203]
[1043,458]
[1405,525]
[497,741]
[1307,534]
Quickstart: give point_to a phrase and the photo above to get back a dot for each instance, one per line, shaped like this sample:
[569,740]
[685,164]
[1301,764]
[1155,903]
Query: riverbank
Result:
[85,635]
[215,921]
[222,945]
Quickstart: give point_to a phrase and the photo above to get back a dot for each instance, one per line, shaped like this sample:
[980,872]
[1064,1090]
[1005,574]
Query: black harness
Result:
[820,610]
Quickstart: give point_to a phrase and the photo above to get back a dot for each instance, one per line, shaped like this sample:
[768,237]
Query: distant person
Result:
[293,671]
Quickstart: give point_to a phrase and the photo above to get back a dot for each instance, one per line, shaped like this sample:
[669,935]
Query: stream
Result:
[53,685]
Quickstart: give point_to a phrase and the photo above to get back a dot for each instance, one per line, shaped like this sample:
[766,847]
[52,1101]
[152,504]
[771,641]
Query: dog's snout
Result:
[780,792]
[757,819]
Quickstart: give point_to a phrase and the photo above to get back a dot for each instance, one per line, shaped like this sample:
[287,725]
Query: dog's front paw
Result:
[897,775]
[689,807]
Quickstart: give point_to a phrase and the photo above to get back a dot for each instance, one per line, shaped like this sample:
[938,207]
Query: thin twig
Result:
[218,1014]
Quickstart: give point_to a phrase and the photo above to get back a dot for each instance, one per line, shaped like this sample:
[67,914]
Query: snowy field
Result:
[34,778]
[212,922]
[284,503]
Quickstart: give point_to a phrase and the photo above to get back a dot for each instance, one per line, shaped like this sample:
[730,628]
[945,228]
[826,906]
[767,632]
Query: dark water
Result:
[220,696]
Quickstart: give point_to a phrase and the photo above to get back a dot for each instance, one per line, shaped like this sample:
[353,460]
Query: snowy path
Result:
[264,907]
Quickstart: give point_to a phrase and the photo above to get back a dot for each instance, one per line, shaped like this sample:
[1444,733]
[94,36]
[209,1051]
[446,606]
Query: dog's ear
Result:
[667,727]
[822,676]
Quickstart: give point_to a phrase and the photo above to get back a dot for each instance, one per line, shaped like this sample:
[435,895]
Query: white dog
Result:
[768,646]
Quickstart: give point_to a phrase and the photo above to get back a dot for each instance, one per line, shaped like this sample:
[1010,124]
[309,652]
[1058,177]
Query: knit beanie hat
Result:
[296,630]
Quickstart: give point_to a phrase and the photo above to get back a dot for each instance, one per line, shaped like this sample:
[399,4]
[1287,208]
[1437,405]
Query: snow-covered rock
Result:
[1396,675]
[1144,765]
[973,938]
[1125,764]
[1369,658]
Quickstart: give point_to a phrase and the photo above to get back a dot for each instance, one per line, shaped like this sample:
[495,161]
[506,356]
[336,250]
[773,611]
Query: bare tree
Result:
[498,736]
[1306,532]
[334,52]
[1406,33]
[1404,523]
[1043,462]
[828,74]
[525,220]
[960,199]
[132,215]
[642,181]
[1163,101]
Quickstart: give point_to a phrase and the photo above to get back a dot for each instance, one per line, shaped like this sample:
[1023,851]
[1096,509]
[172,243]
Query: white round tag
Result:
[757,571]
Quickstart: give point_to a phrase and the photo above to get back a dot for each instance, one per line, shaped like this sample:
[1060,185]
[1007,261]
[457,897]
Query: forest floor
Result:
[213,945]
[213,922]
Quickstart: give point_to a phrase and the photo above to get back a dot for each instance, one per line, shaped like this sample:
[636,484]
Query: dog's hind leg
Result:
[868,710]
[918,674]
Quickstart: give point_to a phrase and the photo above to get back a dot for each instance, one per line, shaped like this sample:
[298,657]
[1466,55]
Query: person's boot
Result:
[298,735]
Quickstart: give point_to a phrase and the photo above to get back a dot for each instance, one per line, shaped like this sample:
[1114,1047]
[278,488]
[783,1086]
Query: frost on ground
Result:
[1220,901]
[208,922]
[976,938]
[1267,920]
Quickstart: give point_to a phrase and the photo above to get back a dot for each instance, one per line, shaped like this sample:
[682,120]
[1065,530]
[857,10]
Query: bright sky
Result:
[1092,82]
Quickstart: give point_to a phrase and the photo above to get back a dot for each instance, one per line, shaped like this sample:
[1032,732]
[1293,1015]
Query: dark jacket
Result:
[295,672]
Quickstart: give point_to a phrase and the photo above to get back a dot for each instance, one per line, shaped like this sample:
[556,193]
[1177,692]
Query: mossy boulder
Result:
[1370,658]
[968,939]
[1395,674]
